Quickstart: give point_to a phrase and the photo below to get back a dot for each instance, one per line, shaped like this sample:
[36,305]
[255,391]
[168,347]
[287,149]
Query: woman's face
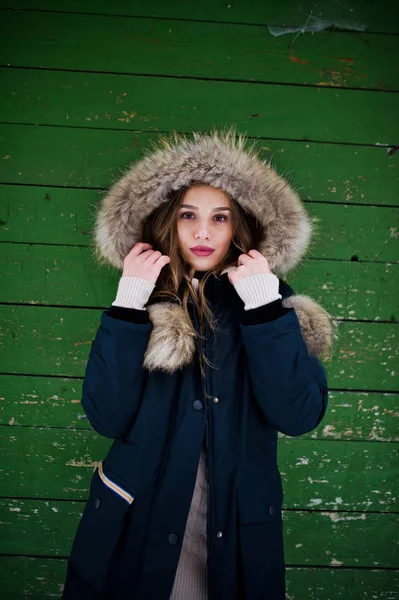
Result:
[204,219]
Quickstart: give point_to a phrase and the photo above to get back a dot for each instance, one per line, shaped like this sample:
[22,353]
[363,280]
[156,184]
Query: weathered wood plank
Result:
[45,401]
[342,232]
[142,46]
[56,402]
[326,475]
[70,276]
[339,475]
[288,13]
[75,99]
[38,578]
[338,539]
[56,341]
[47,527]
[334,583]
[32,578]
[345,232]
[70,157]
[66,216]
[360,416]
[349,289]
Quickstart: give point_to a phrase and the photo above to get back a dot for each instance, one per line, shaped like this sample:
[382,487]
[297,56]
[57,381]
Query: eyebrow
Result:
[196,207]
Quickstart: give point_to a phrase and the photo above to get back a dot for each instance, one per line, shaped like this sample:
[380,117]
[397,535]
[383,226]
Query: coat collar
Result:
[214,284]
[172,343]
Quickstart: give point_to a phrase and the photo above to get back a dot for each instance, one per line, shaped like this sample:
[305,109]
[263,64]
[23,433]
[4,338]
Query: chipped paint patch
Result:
[335,517]
[317,480]
[329,431]
[80,463]
[315,501]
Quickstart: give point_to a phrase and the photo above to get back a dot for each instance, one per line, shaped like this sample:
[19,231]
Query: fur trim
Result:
[318,327]
[171,345]
[172,341]
[222,159]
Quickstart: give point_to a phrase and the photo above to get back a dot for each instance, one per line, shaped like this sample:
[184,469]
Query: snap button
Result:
[219,534]
[197,405]
[272,509]
[97,503]
[216,400]
[173,538]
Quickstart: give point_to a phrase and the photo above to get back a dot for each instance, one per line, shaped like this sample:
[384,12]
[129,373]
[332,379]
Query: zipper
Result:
[207,445]
[209,499]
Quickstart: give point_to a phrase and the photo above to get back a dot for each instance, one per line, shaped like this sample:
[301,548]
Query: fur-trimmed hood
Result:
[226,160]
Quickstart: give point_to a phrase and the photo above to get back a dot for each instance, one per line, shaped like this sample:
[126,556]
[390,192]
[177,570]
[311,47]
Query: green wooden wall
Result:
[85,87]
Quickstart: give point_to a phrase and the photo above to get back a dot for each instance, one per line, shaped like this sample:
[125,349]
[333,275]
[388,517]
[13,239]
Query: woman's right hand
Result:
[144,262]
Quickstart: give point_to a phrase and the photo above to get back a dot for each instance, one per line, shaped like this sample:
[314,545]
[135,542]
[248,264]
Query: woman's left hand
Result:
[249,264]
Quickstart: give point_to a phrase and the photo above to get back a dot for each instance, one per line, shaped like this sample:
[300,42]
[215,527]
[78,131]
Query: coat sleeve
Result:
[289,384]
[114,377]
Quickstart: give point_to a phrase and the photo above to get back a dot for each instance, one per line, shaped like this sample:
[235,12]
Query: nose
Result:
[202,234]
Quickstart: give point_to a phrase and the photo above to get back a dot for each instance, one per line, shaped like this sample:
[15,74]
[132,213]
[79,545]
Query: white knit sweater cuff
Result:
[257,290]
[133,292]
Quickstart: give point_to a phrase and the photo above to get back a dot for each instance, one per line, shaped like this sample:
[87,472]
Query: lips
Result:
[202,251]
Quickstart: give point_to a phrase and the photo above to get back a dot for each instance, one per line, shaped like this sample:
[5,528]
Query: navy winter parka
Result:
[143,388]
[128,541]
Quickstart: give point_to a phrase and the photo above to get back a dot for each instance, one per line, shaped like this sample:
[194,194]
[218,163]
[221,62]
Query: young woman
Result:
[203,357]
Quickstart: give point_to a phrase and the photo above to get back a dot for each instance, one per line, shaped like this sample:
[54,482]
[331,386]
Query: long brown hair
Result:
[160,230]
